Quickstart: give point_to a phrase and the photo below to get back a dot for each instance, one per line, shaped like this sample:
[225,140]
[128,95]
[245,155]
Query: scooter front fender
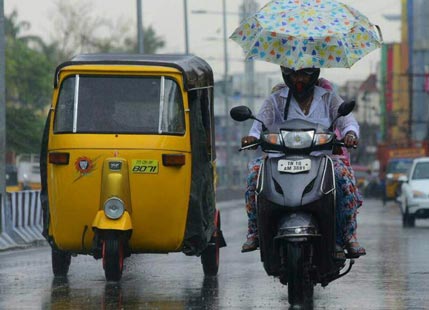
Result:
[296,225]
[101,221]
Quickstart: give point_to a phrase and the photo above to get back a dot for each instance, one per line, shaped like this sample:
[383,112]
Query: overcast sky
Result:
[167,18]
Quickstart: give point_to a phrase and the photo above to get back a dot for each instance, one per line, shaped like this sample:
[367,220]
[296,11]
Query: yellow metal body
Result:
[101,221]
[156,203]
[392,186]
[13,188]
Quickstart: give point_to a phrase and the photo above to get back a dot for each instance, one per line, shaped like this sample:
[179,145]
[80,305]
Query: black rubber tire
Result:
[300,287]
[210,256]
[411,220]
[210,260]
[60,262]
[113,259]
[408,220]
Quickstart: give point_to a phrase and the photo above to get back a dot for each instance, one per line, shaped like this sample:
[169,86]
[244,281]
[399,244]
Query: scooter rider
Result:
[303,99]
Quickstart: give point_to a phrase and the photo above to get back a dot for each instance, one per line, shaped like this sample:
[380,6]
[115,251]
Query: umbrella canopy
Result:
[307,33]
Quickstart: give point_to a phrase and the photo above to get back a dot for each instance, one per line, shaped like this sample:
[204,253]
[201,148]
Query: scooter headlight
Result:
[322,138]
[272,138]
[114,208]
[298,139]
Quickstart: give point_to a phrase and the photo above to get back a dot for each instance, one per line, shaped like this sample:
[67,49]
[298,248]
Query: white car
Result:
[414,197]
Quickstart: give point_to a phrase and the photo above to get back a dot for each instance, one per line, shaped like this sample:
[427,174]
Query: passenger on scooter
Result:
[317,104]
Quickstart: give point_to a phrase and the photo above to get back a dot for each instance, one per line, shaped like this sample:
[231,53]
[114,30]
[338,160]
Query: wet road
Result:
[394,274]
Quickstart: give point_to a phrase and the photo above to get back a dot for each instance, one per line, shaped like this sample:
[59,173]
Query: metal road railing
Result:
[21,219]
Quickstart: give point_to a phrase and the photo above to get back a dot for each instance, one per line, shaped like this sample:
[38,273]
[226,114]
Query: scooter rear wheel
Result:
[60,262]
[113,259]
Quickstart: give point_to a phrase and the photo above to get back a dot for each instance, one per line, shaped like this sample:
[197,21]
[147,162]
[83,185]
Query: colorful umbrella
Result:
[307,33]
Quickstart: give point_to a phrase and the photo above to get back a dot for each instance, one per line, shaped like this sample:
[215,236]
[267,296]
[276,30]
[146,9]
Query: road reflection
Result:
[60,293]
[114,296]
[209,297]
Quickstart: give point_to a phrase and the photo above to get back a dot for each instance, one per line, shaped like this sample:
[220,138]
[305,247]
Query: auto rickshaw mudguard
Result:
[101,221]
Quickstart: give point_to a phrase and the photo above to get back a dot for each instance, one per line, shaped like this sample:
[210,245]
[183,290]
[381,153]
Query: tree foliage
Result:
[28,70]
[24,129]
[31,63]
[28,87]
[77,31]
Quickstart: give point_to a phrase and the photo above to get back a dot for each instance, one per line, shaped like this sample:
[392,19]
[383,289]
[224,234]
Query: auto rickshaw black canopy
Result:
[196,72]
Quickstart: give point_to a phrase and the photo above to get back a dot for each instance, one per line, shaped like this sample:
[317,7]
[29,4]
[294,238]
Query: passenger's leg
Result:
[348,202]
[252,241]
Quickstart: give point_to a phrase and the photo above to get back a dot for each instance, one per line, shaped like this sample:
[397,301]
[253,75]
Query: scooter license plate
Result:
[294,166]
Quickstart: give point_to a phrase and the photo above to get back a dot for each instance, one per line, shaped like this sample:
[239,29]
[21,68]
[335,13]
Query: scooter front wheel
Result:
[300,286]
[60,262]
[113,259]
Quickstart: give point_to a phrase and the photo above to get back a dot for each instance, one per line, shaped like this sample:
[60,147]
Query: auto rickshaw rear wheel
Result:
[60,262]
[210,256]
[113,259]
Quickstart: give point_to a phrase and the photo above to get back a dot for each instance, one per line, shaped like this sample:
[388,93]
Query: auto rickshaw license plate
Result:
[144,166]
[293,166]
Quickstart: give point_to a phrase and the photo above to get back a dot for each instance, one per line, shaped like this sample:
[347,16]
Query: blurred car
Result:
[414,198]
[396,168]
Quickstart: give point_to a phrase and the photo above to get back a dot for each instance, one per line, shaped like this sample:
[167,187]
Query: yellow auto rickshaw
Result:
[128,161]
[396,167]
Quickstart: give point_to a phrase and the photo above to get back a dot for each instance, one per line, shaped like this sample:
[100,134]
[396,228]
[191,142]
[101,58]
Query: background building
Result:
[417,13]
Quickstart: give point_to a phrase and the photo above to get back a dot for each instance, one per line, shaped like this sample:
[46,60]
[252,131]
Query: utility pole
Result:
[247,8]
[140,35]
[185,12]
[2,112]
[227,135]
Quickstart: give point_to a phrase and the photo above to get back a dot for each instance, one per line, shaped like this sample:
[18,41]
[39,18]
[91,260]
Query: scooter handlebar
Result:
[249,146]
[342,144]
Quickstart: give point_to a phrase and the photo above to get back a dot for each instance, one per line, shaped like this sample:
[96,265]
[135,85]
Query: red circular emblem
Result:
[84,165]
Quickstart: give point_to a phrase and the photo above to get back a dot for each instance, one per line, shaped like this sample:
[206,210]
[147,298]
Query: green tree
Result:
[31,63]
[24,130]
[27,69]
[28,87]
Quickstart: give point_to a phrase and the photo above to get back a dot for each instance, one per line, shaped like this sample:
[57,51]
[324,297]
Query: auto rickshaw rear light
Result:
[173,159]
[114,208]
[59,158]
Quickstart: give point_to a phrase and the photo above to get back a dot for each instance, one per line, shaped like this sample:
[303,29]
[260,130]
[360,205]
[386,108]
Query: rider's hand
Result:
[351,139]
[245,141]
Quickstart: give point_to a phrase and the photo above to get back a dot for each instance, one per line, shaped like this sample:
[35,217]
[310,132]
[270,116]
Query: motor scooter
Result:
[296,202]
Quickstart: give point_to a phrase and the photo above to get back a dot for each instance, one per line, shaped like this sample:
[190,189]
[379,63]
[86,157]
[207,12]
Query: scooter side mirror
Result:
[241,113]
[346,108]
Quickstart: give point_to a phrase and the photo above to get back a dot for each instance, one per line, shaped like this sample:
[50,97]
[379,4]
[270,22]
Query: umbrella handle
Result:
[379,32]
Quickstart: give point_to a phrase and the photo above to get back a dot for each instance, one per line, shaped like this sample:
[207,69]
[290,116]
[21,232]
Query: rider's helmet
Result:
[300,90]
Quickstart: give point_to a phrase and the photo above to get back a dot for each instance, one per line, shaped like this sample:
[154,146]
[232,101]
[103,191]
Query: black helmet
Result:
[300,92]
